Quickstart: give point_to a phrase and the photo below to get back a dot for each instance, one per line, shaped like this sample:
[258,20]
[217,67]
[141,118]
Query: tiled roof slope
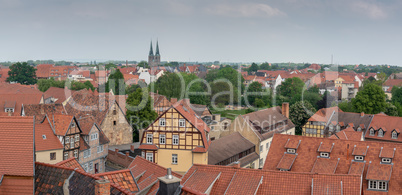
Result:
[324,114]
[227,147]
[122,178]
[61,94]
[70,163]
[17,146]
[49,179]
[86,125]
[348,134]
[45,138]
[234,180]
[262,122]
[393,82]
[147,173]
[62,123]
[41,110]
[43,70]
[17,95]
[342,149]
[388,124]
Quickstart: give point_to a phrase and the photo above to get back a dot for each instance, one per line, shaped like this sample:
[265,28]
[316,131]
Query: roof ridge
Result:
[111,172]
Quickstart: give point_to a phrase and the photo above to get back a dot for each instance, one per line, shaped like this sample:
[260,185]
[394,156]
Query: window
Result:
[67,140]
[150,157]
[72,125]
[311,131]
[261,161]
[394,135]
[261,147]
[143,154]
[160,109]
[359,129]
[86,138]
[162,139]
[359,158]
[91,166]
[267,146]
[380,133]
[338,128]
[100,149]
[86,167]
[372,132]
[77,138]
[174,159]
[331,127]
[175,140]
[94,136]
[65,155]
[114,123]
[162,122]
[76,153]
[292,151]
[386,160]
[72,142]
[114,111]
[324,154]
[44,136]
[182,123]
[377,185]
[53,156]
[149,138]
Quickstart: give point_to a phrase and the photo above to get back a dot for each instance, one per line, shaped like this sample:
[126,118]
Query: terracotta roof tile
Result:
[387,152]
[70,163]
[323,114]
[121,178]
[45,138]
[41,110]
[208,180]
[356,168]
[388,124]
[148,147]
[62,123]
[61,94]
[325,165]
[379,172]
[360,150]
[287,161]
[293,144]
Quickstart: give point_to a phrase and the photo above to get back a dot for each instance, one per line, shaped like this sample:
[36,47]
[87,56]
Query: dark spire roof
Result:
[157,49]
[151,52]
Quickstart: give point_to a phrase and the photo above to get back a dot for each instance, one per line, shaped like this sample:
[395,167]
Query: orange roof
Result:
[393,82]
[123,178]
[4,74]
[348,134]
[70,163]
[44,137]
[232,180]
[315,67]
[101,73]
[388,124]
[61,94]
[17,146]
[62,123]
[43,70]
[323,114]
[342,149]
[127,70]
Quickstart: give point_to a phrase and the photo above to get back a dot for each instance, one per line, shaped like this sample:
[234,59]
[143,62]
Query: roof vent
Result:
[44,136]
[169,174]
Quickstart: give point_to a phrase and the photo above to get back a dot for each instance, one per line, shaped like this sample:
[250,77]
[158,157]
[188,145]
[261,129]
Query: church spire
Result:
[157,49]
[151,52]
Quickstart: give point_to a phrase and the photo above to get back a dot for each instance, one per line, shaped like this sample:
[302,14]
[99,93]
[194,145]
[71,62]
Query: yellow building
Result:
[48,148]
[338,82]
[177,139]
[315,125]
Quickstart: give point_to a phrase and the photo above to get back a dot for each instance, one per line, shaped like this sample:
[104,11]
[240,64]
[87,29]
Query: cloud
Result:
[249,10]
[370,9]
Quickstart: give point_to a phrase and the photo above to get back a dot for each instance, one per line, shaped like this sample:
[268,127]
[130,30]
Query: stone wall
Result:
[116,127]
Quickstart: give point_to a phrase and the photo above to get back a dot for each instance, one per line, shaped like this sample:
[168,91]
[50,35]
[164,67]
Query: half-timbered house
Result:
[68,131]
[178,138]
[160,103]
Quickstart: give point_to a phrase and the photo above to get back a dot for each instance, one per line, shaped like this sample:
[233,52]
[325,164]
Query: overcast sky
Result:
[353,31]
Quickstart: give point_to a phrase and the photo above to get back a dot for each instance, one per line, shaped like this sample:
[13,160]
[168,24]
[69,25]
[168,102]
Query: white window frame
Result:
[372,132]
[100,149]
[150,157]
[359,158]
[162,122]
[377,185]
[386,160]
[72,142]
[65,155]
[150,138]
[76,153]
[359,129]
[174,159]
[381,133]
[175,139]
[77,137]
[261,148]
[291,151]
[67,140]
[86,167]
[267,145]
[324,154]
[91,166]
[162,139]
[394,135]
[261,162]
[143,154]
[182,123]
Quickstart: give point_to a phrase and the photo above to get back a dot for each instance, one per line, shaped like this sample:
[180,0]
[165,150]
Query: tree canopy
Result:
[22,73]
[370,100]
[291,90]
[116,83]
[299,113]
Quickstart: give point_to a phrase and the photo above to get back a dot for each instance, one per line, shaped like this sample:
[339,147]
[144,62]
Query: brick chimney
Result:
[285,109]
[102,187]
[132,148]
[168,184]
[116,150]
[173,100]
[127,153]
[236,164]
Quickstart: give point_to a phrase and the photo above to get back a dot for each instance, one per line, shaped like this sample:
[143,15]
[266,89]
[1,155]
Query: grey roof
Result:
[226,147]
[198,108]
[202,68]
[349,117]
[260,74]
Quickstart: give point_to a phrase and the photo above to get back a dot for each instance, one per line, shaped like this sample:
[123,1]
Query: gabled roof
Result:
[343,149]
[146,174]
[348,134]
[41,110]
[323,114]
[386,123]
[43,70]
[18,95]
[199,109]
[70,163]
[17,146]
[357,119]
[122,178]
[61,94]
[62,123]
[234,180]
[393,82]
[45,138]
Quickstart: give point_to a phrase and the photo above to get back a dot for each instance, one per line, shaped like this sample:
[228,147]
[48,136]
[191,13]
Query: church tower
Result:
[157,58]
[151,56]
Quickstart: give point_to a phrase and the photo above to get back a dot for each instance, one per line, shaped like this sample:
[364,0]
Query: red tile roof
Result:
[393,82]
[18,94]
[343,149]
[325,165]
[122,178]
[62,123]
[379,172]
[43,70]
[45,138]
[323,114]
[41,110]
[61,94]
[388,124]
[287,161]
[148,147]
[4,74]
[234,180]
[348,134]
[17,146]
[71,163]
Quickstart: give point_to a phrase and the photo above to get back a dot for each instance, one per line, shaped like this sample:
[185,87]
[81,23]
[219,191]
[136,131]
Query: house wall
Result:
[241,126]
[185,159]
[319,129]
[119,133]
[265,148]
[218,128]
[95,157]
[44,156]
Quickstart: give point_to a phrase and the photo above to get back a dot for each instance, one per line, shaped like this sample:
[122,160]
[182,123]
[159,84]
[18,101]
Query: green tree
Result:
[346,106]
[116,83]
[265,66]
[396,95]
[391,110]
[259,103]
[110,66]
[169,85]
[89,85]
[257,93]
[290,90]
[139,111]
[143,64]
[22,73]
[299,113]
[313,98]
[326,101]
[132,88]
[253,68]
[45,84]
[370,100]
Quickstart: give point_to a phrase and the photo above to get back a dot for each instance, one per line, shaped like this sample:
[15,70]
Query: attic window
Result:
[291,151]
[394,135]
[359,129]
[324,154]
[372,132]
[359,158]
[73,124]
[162,122]
[44,136]
[380,133]
[386,160]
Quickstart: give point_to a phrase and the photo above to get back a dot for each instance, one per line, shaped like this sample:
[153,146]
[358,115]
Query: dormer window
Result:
[380,133]
[324,154]
[359,158]
[394,135]
[162,122]
[291,151]
[386,160]
[371,132]
[338,128]
[359,129]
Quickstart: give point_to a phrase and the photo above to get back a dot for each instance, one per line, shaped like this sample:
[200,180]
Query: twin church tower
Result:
[154,60]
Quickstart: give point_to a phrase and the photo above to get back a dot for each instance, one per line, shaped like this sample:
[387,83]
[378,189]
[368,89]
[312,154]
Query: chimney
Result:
[362,114]
[102,187]
[168,184]
[127,153]
[236,164]
[132,148]
[173,100]
[285,109]
[116,150]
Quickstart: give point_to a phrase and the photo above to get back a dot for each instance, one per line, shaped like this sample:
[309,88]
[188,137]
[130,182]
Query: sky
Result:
[309,31]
